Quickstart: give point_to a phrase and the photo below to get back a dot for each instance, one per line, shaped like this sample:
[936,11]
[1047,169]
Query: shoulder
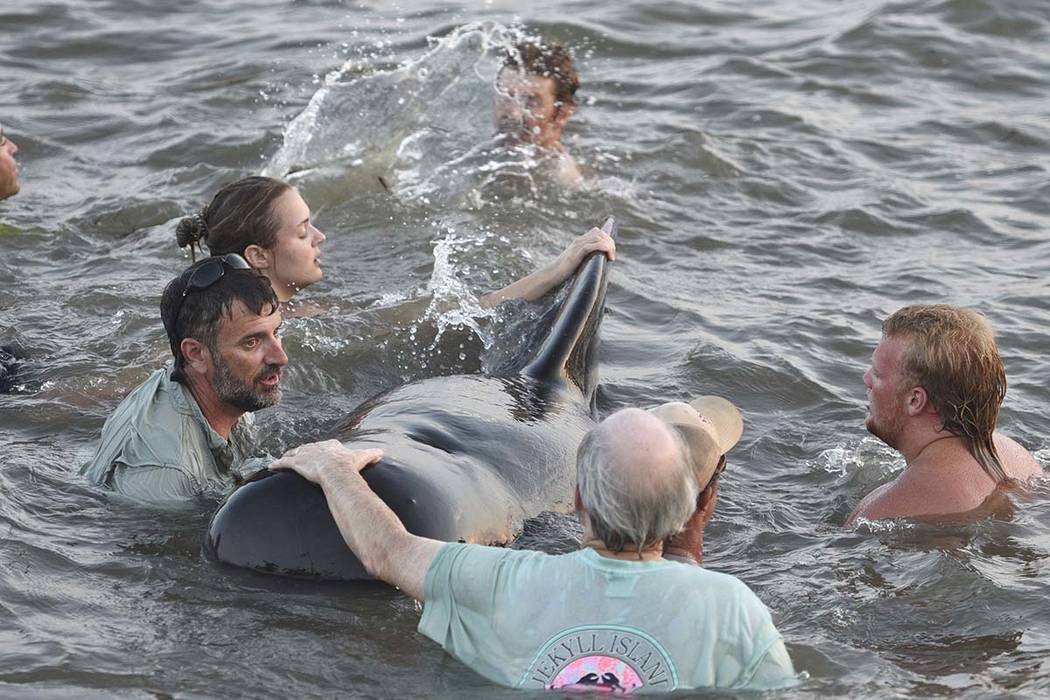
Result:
[727,587]
[567,170]
[883,502]
[159,430]
[459,556]
[1018,462]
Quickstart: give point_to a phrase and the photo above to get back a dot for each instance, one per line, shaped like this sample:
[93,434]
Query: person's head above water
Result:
[536,93]
[938,365]
[267,222]
[634,484]
[222,317]
[9,185]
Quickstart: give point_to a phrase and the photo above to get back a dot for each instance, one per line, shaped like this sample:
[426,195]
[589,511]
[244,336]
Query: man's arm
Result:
[154,483]
[537,284]
[373,531]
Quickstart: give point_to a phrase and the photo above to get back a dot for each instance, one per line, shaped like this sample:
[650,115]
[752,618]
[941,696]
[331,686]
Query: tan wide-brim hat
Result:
[709,426]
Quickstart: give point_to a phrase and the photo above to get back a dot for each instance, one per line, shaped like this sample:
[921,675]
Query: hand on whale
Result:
[310,459]
[463,458]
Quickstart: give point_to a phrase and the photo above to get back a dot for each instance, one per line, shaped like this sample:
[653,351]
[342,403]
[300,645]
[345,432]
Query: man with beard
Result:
[934,389]
[188,428]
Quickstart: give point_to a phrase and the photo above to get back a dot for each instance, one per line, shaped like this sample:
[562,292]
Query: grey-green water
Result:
[785,173]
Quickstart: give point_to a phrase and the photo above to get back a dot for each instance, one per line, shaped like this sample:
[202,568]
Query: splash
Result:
[868,456]
[875,527]
[453,304]
[423,130]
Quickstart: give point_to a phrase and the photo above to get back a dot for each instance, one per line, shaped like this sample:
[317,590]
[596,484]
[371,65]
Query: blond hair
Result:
[951,352]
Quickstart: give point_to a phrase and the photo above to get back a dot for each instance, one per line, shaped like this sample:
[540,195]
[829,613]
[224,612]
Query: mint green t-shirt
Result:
[582,621]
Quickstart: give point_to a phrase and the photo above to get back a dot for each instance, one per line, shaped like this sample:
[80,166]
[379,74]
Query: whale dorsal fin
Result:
[570,348]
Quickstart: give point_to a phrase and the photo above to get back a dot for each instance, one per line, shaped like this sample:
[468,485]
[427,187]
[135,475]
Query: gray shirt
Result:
[158,446]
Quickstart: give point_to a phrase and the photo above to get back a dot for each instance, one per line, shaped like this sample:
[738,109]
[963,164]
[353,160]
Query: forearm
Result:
[530,288]
[534,286]
[375,534]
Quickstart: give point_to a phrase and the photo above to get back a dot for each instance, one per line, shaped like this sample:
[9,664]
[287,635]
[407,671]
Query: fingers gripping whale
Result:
[466,458]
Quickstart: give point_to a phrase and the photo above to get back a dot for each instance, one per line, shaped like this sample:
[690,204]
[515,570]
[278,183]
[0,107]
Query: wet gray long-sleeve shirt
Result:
[158,446]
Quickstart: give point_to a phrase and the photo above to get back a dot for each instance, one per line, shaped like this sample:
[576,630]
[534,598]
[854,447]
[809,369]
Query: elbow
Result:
[389,561]
[375,564]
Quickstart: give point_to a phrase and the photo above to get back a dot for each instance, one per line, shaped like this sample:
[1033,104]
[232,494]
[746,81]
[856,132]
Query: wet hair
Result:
[624,506]
[202,310]
[239,215]
[950,351]
[547,61]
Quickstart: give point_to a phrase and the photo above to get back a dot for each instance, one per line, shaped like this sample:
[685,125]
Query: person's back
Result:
[946,482]
[614,616]
[576,621]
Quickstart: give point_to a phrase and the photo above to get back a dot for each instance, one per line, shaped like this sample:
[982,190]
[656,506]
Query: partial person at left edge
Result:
[188,429]
[9,184]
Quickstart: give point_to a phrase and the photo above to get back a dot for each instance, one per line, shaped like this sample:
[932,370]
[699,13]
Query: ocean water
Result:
[785,174]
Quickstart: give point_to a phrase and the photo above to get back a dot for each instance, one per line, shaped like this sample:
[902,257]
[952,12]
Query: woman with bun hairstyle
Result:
[267,222]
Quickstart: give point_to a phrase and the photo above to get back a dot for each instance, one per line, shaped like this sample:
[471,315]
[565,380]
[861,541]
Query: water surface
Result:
[786,174]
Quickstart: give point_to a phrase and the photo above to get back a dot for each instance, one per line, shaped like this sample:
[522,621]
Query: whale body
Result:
[467,458]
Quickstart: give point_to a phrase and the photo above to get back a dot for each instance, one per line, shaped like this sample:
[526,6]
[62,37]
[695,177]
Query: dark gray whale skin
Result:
[466,458]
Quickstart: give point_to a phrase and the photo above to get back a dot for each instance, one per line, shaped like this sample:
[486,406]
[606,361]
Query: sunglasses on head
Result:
[208,273]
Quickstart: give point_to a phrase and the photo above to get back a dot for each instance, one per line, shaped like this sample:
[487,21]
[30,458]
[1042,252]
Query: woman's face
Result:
[296,256]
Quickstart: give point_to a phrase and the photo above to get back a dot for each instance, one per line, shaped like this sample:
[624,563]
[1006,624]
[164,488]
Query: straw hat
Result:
[709,426]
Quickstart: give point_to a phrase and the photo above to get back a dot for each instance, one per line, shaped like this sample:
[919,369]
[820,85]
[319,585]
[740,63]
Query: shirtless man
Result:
[934,389]
[536,90]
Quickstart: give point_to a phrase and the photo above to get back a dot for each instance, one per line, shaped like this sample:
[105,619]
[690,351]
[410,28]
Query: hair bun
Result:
[190,231]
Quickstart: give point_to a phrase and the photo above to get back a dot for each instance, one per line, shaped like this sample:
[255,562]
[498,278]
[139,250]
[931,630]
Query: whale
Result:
[467,458]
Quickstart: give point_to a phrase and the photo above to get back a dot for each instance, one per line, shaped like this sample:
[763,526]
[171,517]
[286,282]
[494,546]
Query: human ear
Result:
[195,355]
[258,257]
[918,401]
[577,502]
[565,110]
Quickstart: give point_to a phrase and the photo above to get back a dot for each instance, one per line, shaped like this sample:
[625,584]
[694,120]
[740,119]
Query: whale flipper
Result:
[570,347]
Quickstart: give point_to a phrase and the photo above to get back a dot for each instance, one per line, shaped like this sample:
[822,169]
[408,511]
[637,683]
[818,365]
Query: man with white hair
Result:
[614,616]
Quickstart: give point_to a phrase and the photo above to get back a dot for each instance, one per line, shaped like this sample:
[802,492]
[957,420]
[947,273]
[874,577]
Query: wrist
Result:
[339,472]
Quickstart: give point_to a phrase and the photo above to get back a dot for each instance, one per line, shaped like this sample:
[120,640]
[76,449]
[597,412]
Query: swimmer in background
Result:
[268,223]
[535,96]
[935,386]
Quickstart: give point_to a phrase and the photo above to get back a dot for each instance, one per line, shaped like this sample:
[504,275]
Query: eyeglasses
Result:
[719,468]
[210,271]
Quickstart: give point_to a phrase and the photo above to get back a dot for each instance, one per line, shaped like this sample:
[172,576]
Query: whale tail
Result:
[570,349]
